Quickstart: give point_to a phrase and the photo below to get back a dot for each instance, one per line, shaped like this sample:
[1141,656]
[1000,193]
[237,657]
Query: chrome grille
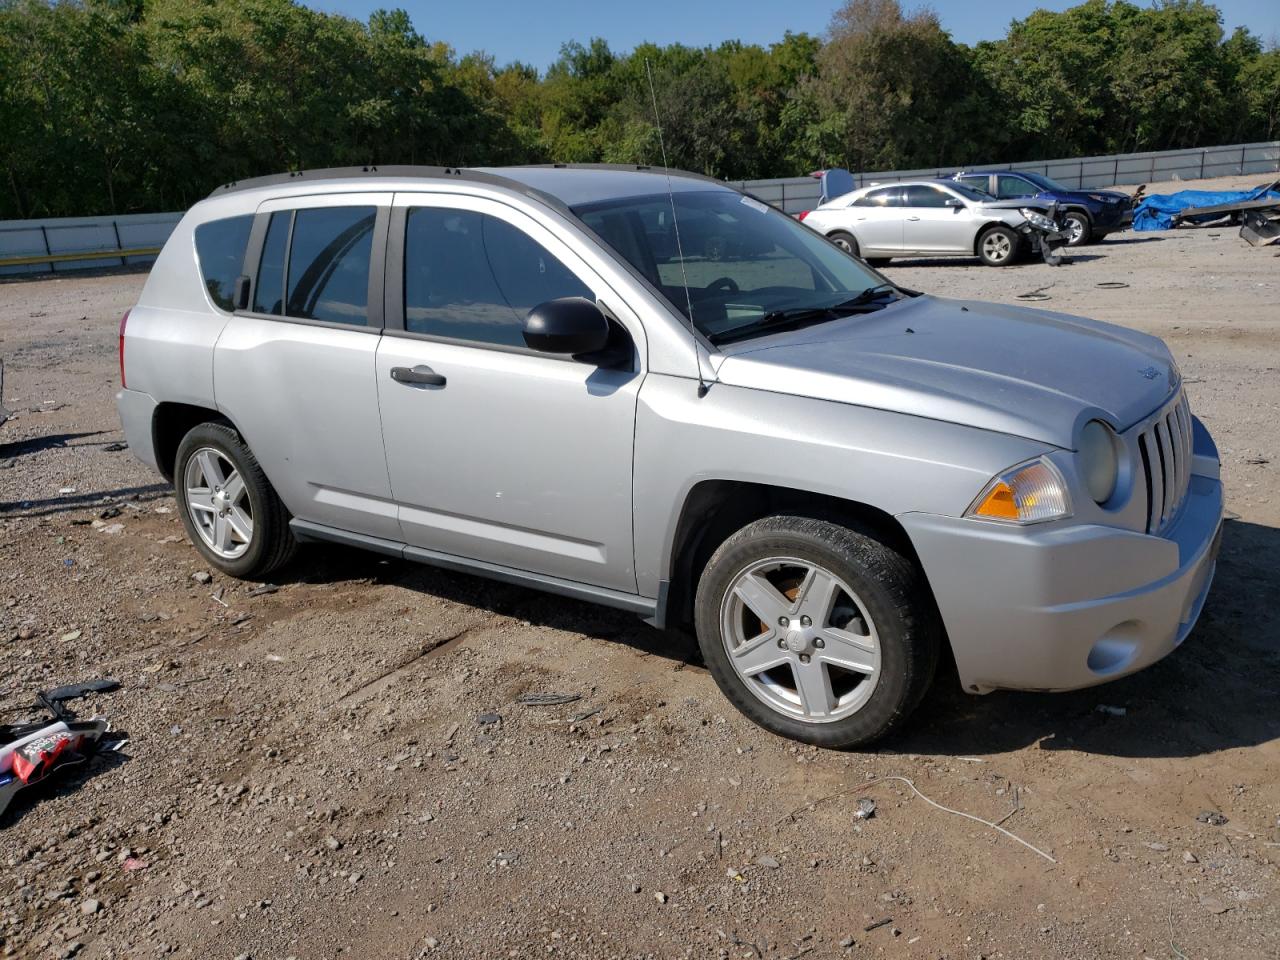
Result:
[1165,446]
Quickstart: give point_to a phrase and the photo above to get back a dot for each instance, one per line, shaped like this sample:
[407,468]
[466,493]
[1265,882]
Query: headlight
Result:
[1036,218]
[1099,463]
[1032,492]
[1101,199]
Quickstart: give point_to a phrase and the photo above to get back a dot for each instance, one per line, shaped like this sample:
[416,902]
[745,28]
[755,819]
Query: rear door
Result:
[508,457]
[877,221]
[295,370]
[933,227]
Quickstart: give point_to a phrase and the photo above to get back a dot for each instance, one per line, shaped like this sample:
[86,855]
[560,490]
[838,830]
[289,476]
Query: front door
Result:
[497,453]
[932,226]
[877,222]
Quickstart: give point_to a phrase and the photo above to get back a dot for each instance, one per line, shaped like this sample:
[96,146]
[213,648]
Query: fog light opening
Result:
[1115,650]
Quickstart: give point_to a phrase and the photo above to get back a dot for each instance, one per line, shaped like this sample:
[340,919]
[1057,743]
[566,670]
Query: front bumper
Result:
[137,414]
[1069,606]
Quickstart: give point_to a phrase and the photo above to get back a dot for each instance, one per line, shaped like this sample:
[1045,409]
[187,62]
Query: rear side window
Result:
[268,292]
[918,196]
[329,264]
[886,197]
[220,251]
[326,276]
[470,276]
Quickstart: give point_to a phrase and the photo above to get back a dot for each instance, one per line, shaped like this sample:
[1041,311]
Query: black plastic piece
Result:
[572,325]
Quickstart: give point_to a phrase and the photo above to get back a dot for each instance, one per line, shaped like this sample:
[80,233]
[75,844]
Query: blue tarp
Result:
[1156,211]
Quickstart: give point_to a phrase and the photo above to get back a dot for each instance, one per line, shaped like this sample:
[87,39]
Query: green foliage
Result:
[131,105]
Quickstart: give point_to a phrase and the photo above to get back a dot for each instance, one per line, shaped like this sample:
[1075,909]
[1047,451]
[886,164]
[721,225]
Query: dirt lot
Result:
[340,767]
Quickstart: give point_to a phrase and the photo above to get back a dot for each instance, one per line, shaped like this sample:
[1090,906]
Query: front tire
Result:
[816,631]
[998,246]
[229,509]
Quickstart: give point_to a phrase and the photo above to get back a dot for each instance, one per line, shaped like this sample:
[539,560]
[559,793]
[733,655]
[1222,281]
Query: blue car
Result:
[1087,215]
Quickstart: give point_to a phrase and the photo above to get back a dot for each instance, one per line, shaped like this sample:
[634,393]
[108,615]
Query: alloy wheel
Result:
[997,247]
[800,639]
[218,503]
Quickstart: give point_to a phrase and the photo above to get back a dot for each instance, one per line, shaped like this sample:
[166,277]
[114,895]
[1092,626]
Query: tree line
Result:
[122,106]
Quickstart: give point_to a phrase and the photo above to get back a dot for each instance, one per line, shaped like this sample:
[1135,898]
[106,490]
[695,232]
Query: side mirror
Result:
[955,202]
[572,325]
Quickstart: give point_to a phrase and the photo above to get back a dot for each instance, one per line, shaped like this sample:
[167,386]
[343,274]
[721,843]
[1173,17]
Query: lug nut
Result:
[806,622]
[784,622]
[819,642]
[782,644]
[804,658]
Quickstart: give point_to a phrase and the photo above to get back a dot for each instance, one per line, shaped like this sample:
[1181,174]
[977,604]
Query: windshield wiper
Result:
[799,316]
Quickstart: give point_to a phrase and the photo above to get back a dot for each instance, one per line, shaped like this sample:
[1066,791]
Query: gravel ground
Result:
[342,766]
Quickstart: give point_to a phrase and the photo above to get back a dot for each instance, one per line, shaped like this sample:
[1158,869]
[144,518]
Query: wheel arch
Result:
[714,509]
[171,422]
[983,228]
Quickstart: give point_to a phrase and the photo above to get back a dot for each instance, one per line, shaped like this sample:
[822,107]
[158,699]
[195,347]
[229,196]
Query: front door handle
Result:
[913,218]
[421,374]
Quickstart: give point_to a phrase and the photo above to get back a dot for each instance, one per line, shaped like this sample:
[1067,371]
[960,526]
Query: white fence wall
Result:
[794,194]
[31,238]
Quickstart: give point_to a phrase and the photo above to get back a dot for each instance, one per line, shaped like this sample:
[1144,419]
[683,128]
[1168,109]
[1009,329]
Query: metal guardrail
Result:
[793,194]
[84,242]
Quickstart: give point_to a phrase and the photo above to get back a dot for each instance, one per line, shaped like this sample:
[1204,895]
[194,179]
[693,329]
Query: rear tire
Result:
[816,631]
[998,246]
[228,507]
[845,241]
[878,262]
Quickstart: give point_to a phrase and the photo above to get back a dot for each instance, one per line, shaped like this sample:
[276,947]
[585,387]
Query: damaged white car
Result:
[936,219]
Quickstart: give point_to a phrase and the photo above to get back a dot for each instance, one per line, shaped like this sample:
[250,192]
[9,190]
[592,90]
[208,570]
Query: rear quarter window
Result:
[220,252]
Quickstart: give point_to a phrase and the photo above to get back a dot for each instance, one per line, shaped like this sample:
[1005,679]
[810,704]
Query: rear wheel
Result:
[998,246]
[845,241]
[879,261]
[1077,228]
[815,631]
[229,509]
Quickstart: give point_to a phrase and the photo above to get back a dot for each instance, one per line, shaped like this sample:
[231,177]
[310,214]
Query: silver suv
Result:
[529,374]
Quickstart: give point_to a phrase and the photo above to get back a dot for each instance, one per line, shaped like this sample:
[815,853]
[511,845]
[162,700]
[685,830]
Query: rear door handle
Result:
[913,218]
[421,374]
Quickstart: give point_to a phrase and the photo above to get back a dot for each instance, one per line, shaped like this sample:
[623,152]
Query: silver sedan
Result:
[930,219]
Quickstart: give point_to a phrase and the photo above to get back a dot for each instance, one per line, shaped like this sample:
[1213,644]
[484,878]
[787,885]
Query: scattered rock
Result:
[1158,847]
[660,896]
[1211,817]
[90,907]
[764,860]
[202,576]
[866,809]
[72,635]
[486,719]
[115,447]
[333,843]
[1189,857]
[1214,905]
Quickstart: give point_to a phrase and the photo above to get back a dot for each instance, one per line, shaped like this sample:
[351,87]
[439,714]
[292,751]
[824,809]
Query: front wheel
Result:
[845,241]
[997,246]
[816,631]
[230,510]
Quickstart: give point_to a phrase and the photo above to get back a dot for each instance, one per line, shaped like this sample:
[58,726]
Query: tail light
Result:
[803,214]
[123,321]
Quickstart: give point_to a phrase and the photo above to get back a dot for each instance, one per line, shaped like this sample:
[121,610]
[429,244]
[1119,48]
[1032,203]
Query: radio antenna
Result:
[675,223]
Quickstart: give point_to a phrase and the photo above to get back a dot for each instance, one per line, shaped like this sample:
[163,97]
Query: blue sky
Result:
[533,31]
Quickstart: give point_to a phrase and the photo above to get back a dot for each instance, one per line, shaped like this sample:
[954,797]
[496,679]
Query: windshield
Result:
[1044,183]
[743,260]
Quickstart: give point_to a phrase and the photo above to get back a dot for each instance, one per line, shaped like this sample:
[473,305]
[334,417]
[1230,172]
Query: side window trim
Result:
[379,264]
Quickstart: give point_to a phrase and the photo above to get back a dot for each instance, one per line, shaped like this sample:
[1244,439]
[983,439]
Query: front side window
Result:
[470,276]
[327,275]
[919,196]
[743,263]
[220,251]
[979,183]
[1010,187]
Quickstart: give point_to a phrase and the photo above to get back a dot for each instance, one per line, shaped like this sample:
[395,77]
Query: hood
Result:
[1084,196]
[1018,203]
[1014,370]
